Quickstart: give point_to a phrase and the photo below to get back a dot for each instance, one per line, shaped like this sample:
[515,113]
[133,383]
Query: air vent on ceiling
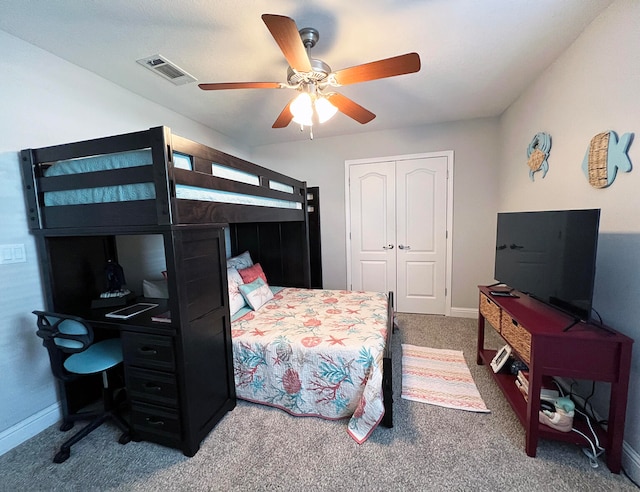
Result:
[170,71]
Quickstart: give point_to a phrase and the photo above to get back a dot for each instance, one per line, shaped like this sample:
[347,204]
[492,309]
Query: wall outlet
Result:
[12,253]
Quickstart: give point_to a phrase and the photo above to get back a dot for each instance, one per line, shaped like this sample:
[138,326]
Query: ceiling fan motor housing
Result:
[320,71]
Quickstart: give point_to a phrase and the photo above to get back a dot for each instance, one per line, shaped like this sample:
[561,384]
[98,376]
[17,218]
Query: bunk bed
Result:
[80,196]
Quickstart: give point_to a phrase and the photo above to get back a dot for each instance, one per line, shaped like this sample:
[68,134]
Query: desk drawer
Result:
[152,386]
[156,424]
[491,311]
[516,336]
[152,351]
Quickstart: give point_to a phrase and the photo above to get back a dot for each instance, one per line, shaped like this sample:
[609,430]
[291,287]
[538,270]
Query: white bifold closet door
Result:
[398,236]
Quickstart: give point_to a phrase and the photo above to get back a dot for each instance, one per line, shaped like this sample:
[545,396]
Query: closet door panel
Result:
[373,255]
[421,234]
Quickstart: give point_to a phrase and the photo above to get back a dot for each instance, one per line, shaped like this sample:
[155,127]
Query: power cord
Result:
[596,450]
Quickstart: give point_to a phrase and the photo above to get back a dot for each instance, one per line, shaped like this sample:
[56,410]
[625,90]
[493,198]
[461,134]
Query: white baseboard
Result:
[29,427]
[464,312]
[631,462]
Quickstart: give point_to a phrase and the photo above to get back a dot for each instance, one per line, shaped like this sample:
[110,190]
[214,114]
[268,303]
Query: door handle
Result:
[388,247]
[402,246]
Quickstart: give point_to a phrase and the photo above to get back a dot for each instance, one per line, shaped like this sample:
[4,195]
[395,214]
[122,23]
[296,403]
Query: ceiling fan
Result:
[314,79]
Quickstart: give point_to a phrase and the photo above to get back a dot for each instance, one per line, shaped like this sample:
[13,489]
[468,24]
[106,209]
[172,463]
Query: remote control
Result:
[501,293]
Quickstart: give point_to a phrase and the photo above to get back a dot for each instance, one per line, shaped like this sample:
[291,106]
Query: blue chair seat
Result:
[98,357]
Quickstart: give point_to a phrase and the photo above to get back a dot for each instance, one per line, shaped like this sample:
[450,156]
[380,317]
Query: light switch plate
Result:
[12,253]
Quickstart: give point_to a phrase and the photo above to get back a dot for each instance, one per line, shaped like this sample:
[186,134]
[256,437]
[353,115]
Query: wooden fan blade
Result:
[284,118]
[350,108]
[389,67]
[240,85]
[285,32]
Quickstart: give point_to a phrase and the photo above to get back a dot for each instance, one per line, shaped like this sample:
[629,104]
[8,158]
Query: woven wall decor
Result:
[605,155]
[538,153]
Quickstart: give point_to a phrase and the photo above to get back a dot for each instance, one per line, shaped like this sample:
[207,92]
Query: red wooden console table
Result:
[539,336]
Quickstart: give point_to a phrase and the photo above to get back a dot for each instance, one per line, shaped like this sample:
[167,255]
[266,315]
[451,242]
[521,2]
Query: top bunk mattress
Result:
[146,191]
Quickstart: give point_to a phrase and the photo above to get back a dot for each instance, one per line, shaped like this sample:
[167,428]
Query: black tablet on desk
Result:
[131,311]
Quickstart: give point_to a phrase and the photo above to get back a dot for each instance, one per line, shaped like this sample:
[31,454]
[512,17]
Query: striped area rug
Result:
[439,377]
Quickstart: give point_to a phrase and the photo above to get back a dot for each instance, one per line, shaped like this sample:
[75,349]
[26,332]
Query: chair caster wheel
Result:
[125,438]
[62,456]
[66,426]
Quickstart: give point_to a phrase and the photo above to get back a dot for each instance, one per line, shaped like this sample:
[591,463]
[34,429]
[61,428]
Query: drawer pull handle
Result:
[152,421]
[147,351]
[515,322]
[153,387]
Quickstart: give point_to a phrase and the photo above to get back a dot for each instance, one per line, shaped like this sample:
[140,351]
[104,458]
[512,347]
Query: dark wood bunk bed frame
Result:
[75,242]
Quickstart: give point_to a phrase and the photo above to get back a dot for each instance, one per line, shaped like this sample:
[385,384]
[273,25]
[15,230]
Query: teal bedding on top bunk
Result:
[103,194]
[141,191]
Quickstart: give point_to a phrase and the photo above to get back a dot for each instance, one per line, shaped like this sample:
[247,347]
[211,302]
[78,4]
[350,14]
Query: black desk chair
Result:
[73,354]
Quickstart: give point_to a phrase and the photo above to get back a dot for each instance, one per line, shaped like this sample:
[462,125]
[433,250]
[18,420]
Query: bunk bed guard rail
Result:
[152,177]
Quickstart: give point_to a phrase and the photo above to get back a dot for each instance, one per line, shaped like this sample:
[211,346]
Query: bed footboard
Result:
[387,374]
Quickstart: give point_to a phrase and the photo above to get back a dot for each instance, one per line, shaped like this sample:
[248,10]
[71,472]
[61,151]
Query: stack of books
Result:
[548,391]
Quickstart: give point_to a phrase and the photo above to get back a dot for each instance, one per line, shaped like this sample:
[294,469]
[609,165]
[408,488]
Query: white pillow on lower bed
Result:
[236,301]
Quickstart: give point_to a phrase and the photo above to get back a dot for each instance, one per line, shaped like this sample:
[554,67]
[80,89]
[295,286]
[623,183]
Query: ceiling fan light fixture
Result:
[324,109]
[302,109]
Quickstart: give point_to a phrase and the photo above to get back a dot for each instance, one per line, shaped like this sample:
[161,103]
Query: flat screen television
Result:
[550,256]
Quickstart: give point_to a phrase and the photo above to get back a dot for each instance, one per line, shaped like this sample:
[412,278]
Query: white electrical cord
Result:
[591,454]
[596,449]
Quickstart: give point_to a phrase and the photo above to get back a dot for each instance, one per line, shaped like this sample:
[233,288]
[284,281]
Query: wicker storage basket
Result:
[491,311]
[517,337]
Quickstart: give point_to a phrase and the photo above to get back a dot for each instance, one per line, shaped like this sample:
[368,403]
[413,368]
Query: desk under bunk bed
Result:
[88,202]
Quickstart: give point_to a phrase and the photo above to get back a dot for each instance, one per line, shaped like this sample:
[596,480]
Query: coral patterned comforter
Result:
[315,353]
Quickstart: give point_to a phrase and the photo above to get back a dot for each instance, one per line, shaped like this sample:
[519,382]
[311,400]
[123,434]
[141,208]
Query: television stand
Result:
[536,333]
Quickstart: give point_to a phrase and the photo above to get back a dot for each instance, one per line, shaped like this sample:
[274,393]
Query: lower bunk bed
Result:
[312,352]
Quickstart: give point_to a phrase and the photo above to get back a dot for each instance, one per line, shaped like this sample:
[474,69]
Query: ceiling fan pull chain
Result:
[310,131]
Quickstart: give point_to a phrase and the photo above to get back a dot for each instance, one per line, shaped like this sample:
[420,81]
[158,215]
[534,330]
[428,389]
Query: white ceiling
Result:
[477,55]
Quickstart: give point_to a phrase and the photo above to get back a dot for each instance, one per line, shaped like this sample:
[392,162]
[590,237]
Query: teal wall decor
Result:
[538,153]
[605,155]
